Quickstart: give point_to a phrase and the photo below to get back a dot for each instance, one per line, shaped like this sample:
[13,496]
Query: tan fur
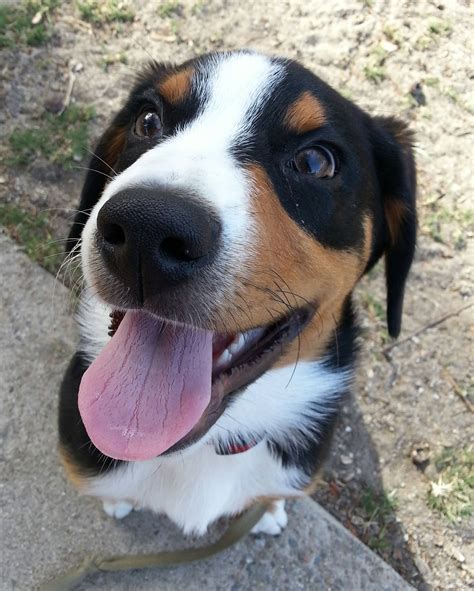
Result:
[305,114]
[115,144]
[395,211]
[175,88]
[292,269]
[72,471]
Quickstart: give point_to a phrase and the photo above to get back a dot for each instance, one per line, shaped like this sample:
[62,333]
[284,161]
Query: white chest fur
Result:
[195,488]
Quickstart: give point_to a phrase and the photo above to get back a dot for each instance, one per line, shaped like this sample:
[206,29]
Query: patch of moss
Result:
[440,28]
[28,23]
[110,59]
[375,74]
[373,306]
[437,28]
[109,11]
[438,221]
[170,9]
[61,139]
[432,81]
[33,232]
[452,494]
[392,35]
[377,510]
[374,70]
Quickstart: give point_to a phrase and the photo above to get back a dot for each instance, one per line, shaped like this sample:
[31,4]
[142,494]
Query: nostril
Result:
[176,249]
[113,234]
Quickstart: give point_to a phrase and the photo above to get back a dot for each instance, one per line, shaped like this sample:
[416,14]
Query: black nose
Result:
[153,239]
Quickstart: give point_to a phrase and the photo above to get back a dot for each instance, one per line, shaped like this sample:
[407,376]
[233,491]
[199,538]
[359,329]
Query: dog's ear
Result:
[392,144]
[100,170]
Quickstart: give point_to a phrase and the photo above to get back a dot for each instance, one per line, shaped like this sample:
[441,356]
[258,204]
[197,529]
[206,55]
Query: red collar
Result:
[234,448]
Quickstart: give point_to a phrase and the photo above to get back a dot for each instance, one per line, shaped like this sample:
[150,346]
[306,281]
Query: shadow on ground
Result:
[353,491]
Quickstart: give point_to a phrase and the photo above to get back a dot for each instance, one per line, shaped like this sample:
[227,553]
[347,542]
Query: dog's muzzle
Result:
[154,239]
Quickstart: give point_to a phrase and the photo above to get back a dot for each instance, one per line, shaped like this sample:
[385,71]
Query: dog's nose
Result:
[153,239]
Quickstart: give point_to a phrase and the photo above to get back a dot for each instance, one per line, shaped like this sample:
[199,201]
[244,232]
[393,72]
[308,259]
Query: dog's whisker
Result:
[95,155]
[94,170]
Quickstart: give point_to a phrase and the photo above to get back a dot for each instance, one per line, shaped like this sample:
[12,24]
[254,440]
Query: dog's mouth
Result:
[158,386]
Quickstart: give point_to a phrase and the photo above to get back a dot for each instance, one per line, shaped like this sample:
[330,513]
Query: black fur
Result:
[395,167]
[311,451]
[376,165]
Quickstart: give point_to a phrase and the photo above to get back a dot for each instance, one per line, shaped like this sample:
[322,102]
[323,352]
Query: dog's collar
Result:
[235,447]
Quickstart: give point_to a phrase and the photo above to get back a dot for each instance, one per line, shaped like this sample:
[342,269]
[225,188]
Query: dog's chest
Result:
[196,488]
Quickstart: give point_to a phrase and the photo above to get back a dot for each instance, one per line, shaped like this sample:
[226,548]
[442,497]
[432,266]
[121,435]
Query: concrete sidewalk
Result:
[46,528]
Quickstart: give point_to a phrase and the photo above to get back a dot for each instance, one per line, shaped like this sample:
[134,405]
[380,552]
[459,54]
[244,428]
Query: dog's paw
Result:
[117,509]
[274,521]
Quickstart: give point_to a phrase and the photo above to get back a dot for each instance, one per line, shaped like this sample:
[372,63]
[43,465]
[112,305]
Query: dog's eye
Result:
[317,161]
[148,124]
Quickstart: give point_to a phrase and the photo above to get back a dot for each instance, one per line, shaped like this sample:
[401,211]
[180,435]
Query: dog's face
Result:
[246,200]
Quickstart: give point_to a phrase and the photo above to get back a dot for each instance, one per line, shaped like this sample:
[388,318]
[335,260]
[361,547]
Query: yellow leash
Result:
[239,528]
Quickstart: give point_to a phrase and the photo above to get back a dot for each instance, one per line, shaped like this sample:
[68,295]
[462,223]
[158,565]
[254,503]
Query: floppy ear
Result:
[101,169]
[392,144]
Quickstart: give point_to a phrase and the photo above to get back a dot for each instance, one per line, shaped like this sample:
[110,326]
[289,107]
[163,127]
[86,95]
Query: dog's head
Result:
[231,206]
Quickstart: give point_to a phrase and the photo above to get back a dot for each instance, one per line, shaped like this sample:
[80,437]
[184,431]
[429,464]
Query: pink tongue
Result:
[148,387]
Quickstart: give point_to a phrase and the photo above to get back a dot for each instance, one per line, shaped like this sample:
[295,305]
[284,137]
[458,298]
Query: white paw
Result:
[274,521]
[117,509]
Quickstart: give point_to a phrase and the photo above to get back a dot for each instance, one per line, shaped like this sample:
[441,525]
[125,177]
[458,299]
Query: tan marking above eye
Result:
[305,114]
[176,87]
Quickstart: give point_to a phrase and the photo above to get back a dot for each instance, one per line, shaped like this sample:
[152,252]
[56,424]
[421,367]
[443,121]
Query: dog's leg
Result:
[117,509]
[274,521]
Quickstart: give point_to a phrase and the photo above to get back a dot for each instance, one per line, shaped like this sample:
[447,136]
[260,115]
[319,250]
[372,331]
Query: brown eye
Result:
[148,124]
[317,161]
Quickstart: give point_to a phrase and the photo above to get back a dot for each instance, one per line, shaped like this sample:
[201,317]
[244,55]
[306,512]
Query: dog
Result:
[230,209]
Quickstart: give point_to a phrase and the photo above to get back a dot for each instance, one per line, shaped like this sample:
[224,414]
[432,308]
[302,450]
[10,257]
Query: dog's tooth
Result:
[253,335]
[237,344]
[223,358]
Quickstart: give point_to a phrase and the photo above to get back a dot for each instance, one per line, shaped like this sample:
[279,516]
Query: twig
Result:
[431,324]
[67,98]
[458,391]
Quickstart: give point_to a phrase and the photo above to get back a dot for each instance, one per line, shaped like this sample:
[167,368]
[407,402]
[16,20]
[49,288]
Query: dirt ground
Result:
[401,471]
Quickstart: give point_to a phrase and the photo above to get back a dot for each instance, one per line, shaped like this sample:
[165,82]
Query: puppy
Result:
[231,207]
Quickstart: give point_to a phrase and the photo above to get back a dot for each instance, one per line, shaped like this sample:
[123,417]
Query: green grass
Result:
[33,232]
[432,81]
[374,70]
[378,512]
[437,29]
[438,220]
[452,494]
[373,306]
[170,9]
[440,28]
[110,59]
[98,12]
[198,7]
[392,35]
[61,140]
[375,74]
[17,28]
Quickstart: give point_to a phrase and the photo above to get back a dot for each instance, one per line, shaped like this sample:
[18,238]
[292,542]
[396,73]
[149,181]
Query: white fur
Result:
[117,509]
[197,157]
[274,521]
[197,486]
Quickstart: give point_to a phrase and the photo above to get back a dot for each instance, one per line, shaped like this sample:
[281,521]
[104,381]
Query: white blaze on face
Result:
[197,158]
